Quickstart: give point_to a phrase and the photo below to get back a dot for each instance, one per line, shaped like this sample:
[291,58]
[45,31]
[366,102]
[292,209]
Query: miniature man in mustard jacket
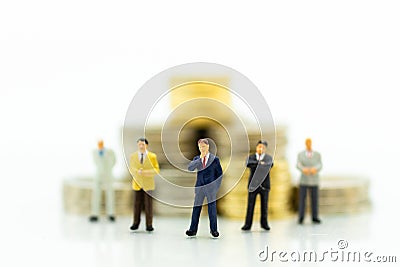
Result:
[143,165]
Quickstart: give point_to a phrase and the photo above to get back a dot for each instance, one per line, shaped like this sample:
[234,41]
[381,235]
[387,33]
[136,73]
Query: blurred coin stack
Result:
[340,194]
[175,140]
[77,196]
[234,204]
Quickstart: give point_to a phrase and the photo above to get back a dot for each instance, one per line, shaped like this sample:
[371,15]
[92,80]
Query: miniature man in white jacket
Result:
[104,160]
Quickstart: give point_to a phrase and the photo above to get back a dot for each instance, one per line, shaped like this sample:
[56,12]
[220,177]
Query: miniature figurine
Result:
[144,166]
[309,163]
[208,182]
[104,159]
[260,165]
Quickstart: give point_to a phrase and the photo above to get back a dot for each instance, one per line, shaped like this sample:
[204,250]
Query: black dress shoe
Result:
[301,220]
[149,228]
[316,220]
[190,233]
[111,218]
[246,228]
[215,234]
[265,226]
[93,219]
[134,227]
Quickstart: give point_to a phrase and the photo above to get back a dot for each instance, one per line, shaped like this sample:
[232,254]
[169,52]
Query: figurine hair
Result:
[142,139]
[263,142]
[203,140]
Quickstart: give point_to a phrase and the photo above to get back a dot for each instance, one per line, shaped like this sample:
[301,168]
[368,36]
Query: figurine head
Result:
[203,145]
[261,147]
[308,144]
[142,144]
[100,144]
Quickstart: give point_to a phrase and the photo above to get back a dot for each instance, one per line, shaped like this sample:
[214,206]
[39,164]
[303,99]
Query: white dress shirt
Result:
[260,157]
[144,155]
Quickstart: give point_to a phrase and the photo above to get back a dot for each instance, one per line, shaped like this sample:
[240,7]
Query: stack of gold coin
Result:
[341,194]
[234,204]
[77,196]
[171,201]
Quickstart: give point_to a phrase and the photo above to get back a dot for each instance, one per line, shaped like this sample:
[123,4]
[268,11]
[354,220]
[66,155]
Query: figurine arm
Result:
[95,158]
[133,168]
[264,184]
[112,158]
[251,162]
[156,168]
[218,172]
[305,170]
[194,163]
[299,164]
[318,166]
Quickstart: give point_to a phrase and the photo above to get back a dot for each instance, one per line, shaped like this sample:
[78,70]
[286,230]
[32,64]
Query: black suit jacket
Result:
[259,172]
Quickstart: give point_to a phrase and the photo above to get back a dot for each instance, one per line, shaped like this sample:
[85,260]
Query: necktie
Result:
[204,162]
[141,159]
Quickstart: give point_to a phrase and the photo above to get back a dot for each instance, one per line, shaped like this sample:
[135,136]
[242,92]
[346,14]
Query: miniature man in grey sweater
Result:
[309,163]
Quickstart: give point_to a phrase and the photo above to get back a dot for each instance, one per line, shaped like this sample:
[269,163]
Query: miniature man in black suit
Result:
[260,165]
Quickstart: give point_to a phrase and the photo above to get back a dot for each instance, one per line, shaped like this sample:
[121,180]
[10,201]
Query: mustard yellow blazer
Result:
[149,168]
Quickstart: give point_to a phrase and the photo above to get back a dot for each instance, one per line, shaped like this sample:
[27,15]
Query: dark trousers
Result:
[314,200]
[251,201]
[141,198]
[212,209]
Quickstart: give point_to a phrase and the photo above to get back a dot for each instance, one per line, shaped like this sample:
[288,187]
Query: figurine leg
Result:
[264,209]
[302,202]
[148,208]
[212,209]
[198,202]
[212,215]
[96,197]
[139,195]
[110,199]
[251,200]
[314,202]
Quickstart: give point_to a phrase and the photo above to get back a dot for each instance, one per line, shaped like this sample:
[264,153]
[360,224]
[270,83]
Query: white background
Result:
[69,69]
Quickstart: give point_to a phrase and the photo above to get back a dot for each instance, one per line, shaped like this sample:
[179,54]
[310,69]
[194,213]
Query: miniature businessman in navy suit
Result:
[209,177]
[260,165]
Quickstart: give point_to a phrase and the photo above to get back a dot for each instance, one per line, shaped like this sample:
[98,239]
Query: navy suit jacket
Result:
[211,173]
